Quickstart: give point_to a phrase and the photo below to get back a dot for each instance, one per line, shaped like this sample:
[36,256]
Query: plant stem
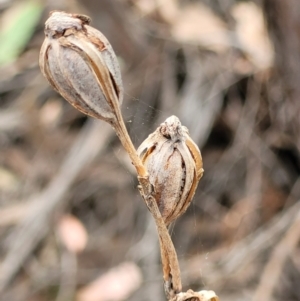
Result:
[171,270]
[122,133]
[125,139]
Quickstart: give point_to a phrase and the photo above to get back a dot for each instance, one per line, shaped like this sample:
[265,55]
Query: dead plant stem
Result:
[171,270]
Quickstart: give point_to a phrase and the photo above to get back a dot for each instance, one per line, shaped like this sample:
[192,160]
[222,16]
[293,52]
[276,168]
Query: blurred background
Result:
[72,223]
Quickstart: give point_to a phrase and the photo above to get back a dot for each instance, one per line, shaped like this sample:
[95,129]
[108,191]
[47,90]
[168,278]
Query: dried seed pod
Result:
[174,164]
[80,64]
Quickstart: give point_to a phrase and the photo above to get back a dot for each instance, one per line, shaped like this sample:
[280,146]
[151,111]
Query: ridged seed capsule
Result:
[80,64]
[174,165]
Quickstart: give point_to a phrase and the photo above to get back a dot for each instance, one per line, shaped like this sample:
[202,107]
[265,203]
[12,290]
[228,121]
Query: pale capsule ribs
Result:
[80,64]
[174,165]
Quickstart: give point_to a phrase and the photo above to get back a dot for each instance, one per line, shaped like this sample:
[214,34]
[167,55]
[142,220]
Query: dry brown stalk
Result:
[80,64]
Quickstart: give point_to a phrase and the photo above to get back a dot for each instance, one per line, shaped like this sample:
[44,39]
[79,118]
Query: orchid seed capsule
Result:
[174,165]
[80,64]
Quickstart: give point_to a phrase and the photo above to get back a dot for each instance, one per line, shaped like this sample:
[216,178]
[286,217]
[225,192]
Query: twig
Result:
[12,214]
[273,268]
[228,262]
[33,228]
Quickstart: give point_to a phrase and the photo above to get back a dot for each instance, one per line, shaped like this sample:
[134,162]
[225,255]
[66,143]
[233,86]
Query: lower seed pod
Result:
[174,164]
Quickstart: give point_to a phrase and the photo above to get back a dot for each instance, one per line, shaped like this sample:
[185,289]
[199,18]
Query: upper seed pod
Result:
[80,64]
[174,164]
